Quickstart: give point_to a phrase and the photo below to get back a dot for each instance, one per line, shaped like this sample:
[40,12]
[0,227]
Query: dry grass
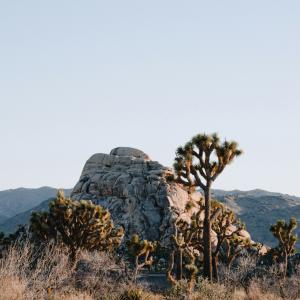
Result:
[11,288]
[29,274]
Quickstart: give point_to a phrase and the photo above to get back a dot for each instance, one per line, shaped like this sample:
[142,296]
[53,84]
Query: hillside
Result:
[10,225]
[15,201]
[16,205]
[259,209]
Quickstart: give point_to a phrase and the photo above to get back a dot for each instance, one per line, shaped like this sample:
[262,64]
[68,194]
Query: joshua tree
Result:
[181,240]
[284,233]
[77,225]
[140,249]
[198,164]
[188,240]
[182,245]
[227,228]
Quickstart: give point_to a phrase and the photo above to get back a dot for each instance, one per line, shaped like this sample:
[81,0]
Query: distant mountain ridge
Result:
[260,209]
[257,208]
[15,201]
[16,204]
[10,225]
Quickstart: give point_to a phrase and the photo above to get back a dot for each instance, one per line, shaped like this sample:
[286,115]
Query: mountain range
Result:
[16,205]
[258,209]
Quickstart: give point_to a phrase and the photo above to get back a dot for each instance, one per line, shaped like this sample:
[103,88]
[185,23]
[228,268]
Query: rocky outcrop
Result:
[139,193]
[136,190]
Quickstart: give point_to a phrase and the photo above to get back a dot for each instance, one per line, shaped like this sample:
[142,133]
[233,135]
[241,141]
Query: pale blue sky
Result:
[80,77]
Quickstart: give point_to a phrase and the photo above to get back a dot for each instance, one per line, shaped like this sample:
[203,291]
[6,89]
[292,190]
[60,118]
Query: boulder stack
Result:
[138,192]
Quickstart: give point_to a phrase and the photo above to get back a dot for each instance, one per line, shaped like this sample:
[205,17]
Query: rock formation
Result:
[138,192]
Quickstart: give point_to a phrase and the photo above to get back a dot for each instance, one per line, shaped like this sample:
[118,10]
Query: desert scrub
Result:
[11,288]
[132,294]
[205,290]
[27,273]
[180,291]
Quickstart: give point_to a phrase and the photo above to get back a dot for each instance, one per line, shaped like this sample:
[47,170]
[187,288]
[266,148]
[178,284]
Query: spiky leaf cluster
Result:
[182,239]
[283,232]
[76,224]
[141,250]
[225,224]
[138,247]
[202,159]
[188,237]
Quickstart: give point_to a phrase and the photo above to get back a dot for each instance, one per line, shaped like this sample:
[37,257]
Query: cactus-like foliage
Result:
[141,250]
[229,242]
[283,232]
[198,164]
[188,240]
[182,246]
[77,225]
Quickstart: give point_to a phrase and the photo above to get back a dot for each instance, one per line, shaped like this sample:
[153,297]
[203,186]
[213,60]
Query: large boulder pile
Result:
[138,192]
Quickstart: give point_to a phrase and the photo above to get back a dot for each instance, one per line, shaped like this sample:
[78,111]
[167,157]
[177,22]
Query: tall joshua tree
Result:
[198,164]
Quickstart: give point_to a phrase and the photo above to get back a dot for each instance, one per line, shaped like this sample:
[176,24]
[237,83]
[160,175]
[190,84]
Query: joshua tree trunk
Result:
[215,267]
[136,269]
[285,262]
[207,236]
[179,264]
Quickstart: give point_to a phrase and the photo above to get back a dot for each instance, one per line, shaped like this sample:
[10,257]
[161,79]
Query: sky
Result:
[83,77]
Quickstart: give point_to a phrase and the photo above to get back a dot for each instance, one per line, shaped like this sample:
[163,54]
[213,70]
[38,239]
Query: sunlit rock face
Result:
[136,190]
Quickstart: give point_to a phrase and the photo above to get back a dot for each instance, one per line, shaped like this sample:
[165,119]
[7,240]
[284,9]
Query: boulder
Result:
[138,192]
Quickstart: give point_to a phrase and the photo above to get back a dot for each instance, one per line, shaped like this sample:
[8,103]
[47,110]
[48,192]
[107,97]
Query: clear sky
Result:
[81,77]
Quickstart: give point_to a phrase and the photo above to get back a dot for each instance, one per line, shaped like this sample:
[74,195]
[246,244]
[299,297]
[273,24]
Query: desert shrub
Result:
[250,280]
[132,294]
[99,274]
[20,236]
[206,290]
[11,288]
[244,269]
[50,272]
[52,276]
[178,291]
[254,293]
